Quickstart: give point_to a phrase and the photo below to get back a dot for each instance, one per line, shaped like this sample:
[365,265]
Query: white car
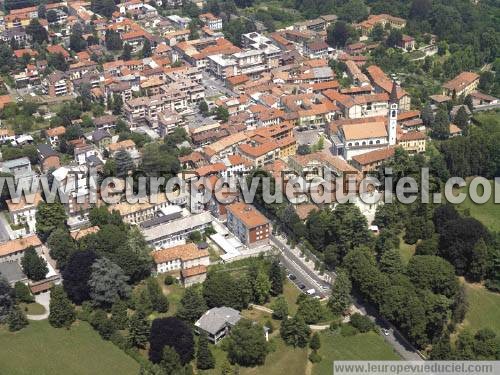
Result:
[385,331]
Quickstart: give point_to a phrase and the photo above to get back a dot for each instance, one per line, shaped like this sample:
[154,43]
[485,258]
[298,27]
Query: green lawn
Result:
[363,346]
[290,292]
[488,213]
[406,250]
[484,308]
[32,308]
[43,350]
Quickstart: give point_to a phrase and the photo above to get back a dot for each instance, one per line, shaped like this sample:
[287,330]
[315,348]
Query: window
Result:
[378,141]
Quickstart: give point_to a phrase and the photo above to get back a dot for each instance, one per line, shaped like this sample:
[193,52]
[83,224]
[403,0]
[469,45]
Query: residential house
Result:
[462,85]
[48,158]
[217,323]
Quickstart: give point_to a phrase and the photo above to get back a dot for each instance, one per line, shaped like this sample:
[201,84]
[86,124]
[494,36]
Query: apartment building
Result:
[248,224]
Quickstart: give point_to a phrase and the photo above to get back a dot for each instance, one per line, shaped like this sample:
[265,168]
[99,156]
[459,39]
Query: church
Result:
[351,137]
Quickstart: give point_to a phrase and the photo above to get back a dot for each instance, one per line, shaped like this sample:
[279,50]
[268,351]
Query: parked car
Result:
[292,277]
[301,286]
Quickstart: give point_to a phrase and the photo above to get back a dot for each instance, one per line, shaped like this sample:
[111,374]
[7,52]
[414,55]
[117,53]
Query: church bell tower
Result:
[393,114]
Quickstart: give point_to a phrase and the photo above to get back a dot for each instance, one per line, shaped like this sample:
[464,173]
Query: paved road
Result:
[309,278]
[304,275]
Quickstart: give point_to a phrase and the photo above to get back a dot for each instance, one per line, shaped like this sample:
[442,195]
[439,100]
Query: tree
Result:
[103,7]
[315,342]
[6,298]
[441,126]
[276,278]
[62,312]
[37,32]
[16,319]
[41,11]
[204,357]
[104,326]
[309,309]
[340,298]
[303,149]
[127,52]
[395,38]
[170,361]
[146,48]
[76,41]
[247,344]
[158,300]
[124,163]
[22,293]
[353,11]
[433,273]
[377,33]
[427,115]
[33,266]
[203,108]
[107,283]
[192,305]
[295,331]
[139,329]
[61,246]
[119,316]
[480,265]
[391,262]
[280,308]
[171,332]
[261,287]
[76,275]
[49,216]
[441,350]
[222,113]
[113,40]
[361,322]
[338,35]
[461,119]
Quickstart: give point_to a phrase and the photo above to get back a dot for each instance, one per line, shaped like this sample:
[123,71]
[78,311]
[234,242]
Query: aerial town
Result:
[192,277]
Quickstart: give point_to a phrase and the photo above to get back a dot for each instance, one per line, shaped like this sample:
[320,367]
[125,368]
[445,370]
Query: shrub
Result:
[169,280]
[314,357]
[348,330]
[361,322]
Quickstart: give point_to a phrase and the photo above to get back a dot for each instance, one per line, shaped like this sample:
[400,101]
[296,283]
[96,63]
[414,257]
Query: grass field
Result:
[484,308]
[32,308]
[43,350]
[488,213]
[363,346]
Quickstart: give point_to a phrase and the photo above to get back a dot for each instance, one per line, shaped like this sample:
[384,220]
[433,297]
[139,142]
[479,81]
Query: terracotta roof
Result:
[247,214]
[5,99]
[374,156]
[454,129]
[53,132]
[121,145]
[193,271]
[21,204]
[461,81]
[210,169]
[440,98]
[412,136]
[19,244]
[56,49]
[364,131]
[185,252]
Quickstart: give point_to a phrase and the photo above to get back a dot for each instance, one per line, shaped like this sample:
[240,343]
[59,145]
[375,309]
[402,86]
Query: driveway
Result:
[44,300]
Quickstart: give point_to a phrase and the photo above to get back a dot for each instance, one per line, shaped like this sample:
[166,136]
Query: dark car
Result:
[292,277]
[302,286]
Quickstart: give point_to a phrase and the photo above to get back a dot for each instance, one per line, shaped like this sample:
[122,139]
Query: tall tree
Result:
[107,283]
[462,119]
[247,344]
[171,332]
[159,301]
[61,246]
[295,332]
[119,316]
[146,48]
[34,266]
[16,319]
[139,329]
[338,35]
[280,308]
[192,305]
[441,126]
[127,52]
[391,262]
[309,309]
[340,299]
[62,312]
[49,216]
[76,275]
[113,40]
[170,361]
[276,277]
[262,286]
[204,357]
[6,298]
